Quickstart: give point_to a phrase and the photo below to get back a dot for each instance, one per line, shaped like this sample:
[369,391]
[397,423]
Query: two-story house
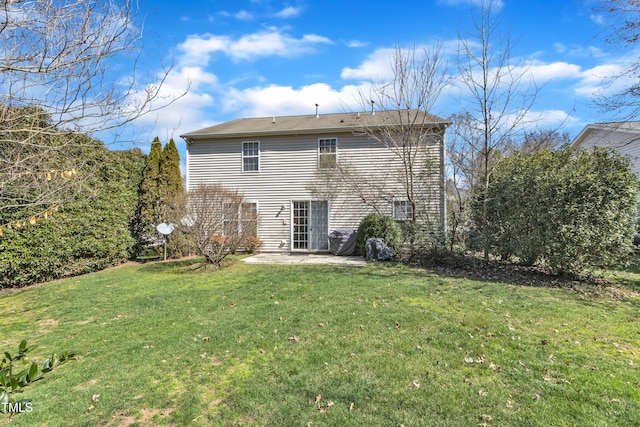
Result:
[308,175]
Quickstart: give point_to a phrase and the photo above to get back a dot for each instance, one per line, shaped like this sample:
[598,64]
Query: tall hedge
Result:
[89,233]
[170,187]
[569,211]
[170,179]
[150,189]
[172,198]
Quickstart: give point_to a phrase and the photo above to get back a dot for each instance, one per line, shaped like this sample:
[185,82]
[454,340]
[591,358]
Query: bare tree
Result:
[220,221]
[35,173]
[464,172]
[58,65]
[500,94]
[401,122]
[347,177]
[543,139]
[621,93]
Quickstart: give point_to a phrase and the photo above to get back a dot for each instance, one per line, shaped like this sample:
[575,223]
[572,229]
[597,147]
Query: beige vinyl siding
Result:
[288,166]
[627,143]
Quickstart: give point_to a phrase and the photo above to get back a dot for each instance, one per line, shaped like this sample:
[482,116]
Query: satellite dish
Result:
[165,228]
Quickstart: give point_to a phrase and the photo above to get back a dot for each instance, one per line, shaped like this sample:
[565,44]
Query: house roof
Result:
[624,127]
[309,124]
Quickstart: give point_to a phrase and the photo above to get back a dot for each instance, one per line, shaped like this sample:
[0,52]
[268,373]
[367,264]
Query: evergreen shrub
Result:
[384,227]
[569,211]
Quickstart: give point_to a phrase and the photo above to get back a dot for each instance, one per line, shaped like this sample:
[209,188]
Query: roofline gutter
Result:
[190,138]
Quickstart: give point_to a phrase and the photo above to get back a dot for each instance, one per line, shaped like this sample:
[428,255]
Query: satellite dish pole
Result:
[165,229]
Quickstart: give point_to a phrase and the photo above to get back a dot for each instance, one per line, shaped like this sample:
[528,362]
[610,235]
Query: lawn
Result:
[168,344]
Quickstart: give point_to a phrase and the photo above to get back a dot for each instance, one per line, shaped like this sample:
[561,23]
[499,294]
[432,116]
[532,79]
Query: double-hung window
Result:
[240,219]
[402,210]
[327,153]
[251,156]
[249,219]
[230,218]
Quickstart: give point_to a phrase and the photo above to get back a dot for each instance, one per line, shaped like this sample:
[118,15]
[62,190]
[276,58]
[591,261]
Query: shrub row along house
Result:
[308,175]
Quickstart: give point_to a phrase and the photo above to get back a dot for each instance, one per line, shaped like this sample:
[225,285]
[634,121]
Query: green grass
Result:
[167,344]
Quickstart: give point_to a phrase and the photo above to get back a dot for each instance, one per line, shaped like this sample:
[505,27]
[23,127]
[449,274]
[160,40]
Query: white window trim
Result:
[238,216]
[250,157]
[336,153]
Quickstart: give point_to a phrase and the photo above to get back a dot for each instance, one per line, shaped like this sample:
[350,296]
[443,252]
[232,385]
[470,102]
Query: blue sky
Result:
[250,58]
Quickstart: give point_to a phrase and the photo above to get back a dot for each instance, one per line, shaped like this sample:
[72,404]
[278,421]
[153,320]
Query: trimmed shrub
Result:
[569,211]
[376,225]
[90,232]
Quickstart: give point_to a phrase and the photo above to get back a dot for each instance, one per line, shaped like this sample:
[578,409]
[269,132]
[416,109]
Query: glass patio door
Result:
[310,225]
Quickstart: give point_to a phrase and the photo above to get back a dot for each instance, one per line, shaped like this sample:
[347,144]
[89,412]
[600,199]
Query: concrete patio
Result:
[327,259]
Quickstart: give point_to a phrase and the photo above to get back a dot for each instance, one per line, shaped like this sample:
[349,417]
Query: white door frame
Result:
[311,237]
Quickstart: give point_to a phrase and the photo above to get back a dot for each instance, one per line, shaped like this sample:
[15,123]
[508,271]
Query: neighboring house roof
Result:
[308,124]
[630,128]
[624,137]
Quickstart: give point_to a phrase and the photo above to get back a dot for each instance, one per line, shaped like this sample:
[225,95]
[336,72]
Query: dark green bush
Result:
[384,227]
[89,232]
[568,211]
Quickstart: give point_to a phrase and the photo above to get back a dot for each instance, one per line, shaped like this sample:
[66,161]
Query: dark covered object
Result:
[378,250]
[342,242]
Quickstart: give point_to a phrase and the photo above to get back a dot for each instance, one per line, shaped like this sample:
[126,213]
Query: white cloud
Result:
[543,72]
[289,12]
[273,41]
[243,15]
[547,119]
[184,96]
[376,66]
[525,77]
[560,47]
[579,51]
[194,77]
[592,79]
[610,76]
[286,100]
[197,49]
[356,43]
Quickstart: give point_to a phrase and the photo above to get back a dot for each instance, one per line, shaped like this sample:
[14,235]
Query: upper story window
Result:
[250,156]
[402,210]
[327,153]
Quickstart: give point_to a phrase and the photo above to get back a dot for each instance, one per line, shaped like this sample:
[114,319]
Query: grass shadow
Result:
[188,265]
[629,277]
[496,271]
